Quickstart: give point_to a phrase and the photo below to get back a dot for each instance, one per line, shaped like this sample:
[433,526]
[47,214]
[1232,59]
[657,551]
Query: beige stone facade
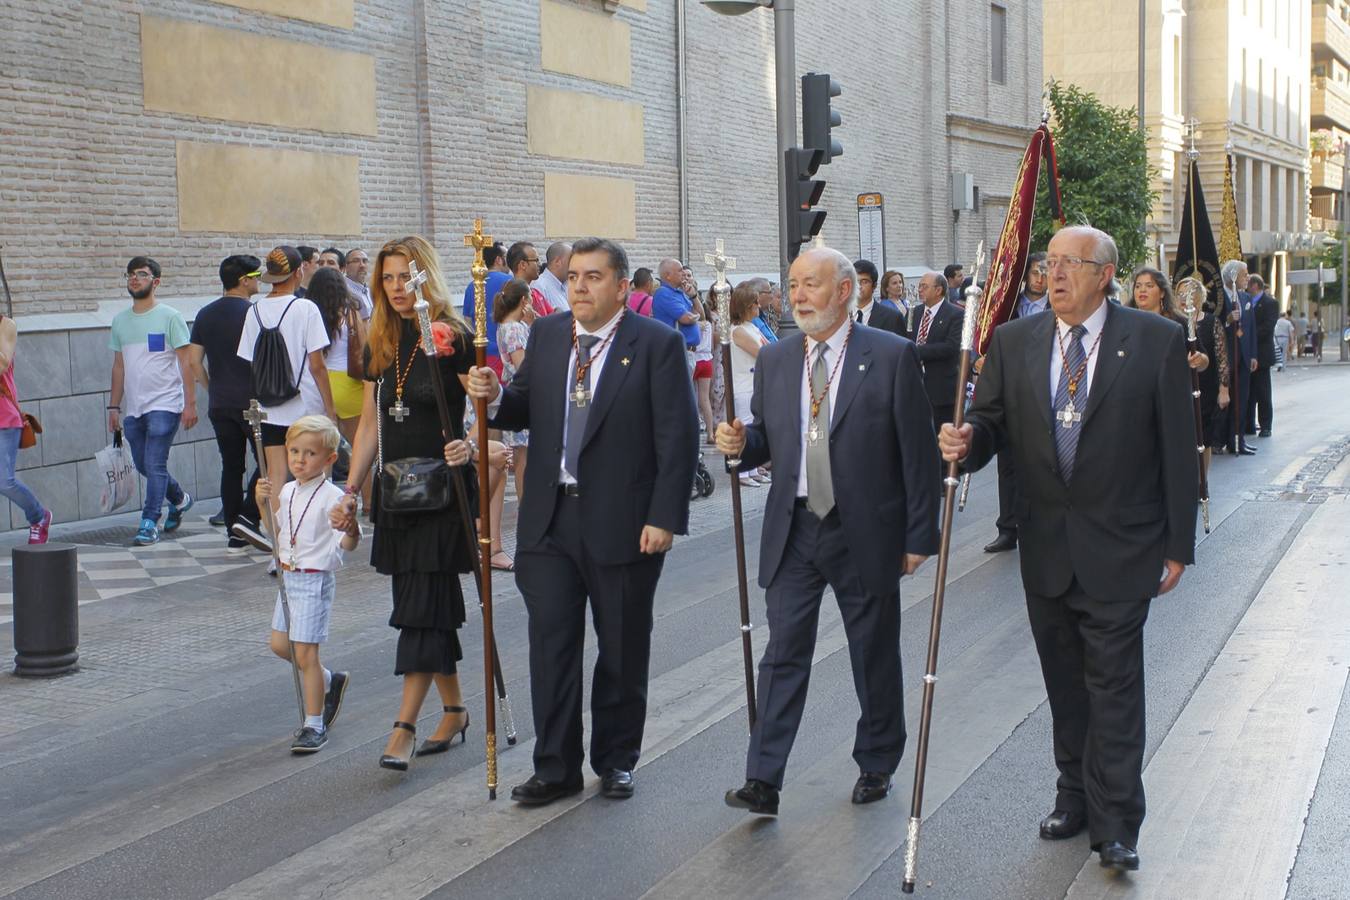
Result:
[191,129]
[1241,70]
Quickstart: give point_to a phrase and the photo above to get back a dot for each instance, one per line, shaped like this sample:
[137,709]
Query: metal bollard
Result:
[46,610]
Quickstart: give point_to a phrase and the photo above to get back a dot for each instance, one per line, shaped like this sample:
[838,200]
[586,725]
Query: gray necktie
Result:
[819,486]
[577,415]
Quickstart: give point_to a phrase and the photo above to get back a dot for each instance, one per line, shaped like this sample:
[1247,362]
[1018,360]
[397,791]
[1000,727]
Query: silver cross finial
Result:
[720,263]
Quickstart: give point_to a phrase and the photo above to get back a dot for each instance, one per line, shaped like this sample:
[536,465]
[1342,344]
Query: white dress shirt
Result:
[317,544]
[834,346]
[1094,324]
[554,291]
[866,312]
[599,353]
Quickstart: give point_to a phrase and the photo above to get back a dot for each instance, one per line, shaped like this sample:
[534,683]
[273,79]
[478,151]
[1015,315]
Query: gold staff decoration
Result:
[477,240]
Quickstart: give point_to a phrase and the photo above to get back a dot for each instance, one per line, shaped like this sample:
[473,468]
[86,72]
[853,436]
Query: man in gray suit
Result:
[842,393]
[1094,403]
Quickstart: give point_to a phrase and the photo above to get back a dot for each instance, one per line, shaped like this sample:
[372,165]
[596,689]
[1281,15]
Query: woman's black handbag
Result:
[418,484]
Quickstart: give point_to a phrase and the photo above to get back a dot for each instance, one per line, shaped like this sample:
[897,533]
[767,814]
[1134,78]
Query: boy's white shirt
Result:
[317,544]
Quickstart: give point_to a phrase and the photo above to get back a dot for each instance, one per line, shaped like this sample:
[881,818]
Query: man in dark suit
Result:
[871,314]
[839,394]
[1094,402]
[937,337]
[1265,313]
[1032,301]
[1241,327]
[614,439]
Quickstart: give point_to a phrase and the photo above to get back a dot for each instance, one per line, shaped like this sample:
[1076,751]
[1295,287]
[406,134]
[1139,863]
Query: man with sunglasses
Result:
[1094,404]
[151,393]
[215,341]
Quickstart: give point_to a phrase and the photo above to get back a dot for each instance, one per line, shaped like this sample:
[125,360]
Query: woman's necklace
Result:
[398,411]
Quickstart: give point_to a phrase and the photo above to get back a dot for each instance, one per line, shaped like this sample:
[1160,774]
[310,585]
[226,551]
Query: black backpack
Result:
[271,377]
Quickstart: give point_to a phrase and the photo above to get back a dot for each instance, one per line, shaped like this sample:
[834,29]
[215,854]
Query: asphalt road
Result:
[161,770]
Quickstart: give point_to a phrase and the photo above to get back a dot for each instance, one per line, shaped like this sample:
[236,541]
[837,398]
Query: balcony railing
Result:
[1328,172]
[1330,29]
[1330,99]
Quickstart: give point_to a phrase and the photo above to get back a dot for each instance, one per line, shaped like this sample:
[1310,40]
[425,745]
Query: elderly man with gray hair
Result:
[853,505]
[1094,403]
[1240,326]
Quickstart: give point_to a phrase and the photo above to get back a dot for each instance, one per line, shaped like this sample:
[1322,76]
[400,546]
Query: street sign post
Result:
[872,229]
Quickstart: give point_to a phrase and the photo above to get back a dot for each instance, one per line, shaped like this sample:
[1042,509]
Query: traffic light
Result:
[817,116]
[802,192]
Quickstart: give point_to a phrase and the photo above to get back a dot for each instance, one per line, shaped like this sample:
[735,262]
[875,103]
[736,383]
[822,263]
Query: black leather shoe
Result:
[871,787]
[759,797]
[1115,855]
[400,763]
[431,748]
[1062,824]
[332,701]
[1244,450]
[538,792]
[218,520]
[1265,432]
[617,784]
[1001,544]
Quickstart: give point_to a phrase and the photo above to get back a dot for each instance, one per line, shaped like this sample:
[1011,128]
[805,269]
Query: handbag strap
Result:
[379,426]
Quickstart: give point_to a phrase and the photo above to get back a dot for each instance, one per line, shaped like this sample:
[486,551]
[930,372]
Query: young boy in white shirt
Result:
[311,552]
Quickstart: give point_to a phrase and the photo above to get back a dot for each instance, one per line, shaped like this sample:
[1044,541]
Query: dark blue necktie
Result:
[1068,411]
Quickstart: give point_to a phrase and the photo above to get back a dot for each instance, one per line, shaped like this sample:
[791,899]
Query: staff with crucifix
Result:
[419,538]
[1081,398]
[613,431]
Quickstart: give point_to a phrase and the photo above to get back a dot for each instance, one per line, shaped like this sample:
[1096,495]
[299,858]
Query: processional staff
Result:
[721,291]
[477,240]
[973,296]
[428,341]
[255,415]
[1190,289]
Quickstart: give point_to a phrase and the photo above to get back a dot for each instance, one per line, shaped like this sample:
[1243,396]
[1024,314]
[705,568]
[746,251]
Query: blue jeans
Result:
[10,486]
[150,436]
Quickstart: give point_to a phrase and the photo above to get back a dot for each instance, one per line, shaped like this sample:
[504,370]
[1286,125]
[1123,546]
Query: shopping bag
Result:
[119,474]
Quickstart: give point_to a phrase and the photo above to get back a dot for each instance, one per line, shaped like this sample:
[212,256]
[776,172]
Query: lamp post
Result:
[785,94]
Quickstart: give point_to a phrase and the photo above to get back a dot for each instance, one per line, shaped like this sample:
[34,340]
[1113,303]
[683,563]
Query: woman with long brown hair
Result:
[423,552]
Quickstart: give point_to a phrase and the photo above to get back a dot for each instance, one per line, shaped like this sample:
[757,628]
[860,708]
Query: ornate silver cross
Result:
[399,412]
[1068,415]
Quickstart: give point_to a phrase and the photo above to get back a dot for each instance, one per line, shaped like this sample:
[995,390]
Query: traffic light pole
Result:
[785,97]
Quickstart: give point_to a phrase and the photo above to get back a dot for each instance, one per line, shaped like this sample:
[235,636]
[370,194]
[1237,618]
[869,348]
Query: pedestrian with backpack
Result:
[284,341]
[151,393]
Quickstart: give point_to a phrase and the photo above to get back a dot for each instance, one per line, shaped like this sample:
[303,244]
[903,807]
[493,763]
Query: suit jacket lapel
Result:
[788,388]
[611,376]
[1110,360]
[857,359]
[1039,349]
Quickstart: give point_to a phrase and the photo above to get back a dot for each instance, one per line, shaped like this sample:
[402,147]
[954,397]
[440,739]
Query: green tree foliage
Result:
[1329,256]
[1104,173]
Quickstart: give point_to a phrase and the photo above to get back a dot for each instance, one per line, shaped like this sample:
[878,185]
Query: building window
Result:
[1244,86]
[998,44]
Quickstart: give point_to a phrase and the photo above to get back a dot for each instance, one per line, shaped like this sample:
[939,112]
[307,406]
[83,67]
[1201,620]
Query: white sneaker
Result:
[749,481]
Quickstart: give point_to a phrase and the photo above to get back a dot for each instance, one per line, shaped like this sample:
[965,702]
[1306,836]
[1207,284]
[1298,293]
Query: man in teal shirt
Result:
[151,393]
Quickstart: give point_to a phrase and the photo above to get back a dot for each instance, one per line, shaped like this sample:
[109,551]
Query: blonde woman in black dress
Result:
[424,553]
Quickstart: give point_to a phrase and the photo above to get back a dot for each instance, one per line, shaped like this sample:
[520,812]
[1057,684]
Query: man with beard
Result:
[151,393]
[840,394]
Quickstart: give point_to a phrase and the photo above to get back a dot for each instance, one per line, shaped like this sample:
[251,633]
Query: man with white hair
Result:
[1240,326]
[841,395]
[1094,402]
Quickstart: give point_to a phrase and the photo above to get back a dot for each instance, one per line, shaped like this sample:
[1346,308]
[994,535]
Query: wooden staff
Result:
[950,483]
[428,340]
[477,240]
[1190,289]
[255,415]
[722,300]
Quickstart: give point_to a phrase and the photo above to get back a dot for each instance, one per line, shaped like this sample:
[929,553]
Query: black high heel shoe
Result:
[398,763]
[430,747]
